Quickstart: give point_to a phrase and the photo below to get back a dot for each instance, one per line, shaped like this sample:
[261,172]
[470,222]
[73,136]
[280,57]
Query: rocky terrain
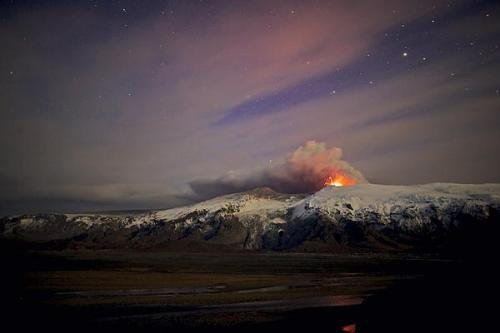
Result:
[363,217]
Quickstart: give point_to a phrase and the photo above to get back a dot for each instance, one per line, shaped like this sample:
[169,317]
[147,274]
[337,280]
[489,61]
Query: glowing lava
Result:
[339,179]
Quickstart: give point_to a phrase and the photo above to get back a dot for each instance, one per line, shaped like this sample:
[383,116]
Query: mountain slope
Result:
[356,218]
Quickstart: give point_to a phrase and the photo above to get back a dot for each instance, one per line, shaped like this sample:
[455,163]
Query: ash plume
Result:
[302,171]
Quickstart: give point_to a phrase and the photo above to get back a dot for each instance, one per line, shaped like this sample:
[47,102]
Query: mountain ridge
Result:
[364,217]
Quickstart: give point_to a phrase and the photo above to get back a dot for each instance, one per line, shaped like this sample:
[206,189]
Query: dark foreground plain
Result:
[153,291]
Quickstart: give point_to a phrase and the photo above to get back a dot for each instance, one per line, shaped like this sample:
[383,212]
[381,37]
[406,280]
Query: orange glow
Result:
[349,328]
[339,179]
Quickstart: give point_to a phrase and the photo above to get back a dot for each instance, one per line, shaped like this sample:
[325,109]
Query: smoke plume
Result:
[304,170]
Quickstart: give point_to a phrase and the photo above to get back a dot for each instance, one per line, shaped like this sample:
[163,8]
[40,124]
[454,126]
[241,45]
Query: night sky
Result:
[134,104]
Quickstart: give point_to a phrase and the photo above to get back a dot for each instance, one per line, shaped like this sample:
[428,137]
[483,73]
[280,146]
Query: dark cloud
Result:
[16,198]
[304,170]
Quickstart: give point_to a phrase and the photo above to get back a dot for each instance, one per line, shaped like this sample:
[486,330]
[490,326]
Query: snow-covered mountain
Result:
[360,217]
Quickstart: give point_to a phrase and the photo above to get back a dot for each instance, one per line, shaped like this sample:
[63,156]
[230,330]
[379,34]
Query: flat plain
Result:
[158,290]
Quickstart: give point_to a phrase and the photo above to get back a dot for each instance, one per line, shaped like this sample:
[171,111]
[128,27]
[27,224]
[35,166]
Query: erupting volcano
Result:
[339,179]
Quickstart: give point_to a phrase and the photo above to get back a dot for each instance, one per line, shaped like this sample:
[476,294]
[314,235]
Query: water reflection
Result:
[351,328]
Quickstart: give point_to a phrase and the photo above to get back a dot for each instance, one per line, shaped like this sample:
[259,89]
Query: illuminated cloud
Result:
[304,170]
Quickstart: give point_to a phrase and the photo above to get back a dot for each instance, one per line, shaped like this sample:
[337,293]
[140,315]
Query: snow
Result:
[409,206]
[263,206]
[212,205]
[25,222]
[387,201]
[241,204]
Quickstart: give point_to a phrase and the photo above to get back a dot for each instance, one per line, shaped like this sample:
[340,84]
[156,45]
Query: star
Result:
[405,54]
